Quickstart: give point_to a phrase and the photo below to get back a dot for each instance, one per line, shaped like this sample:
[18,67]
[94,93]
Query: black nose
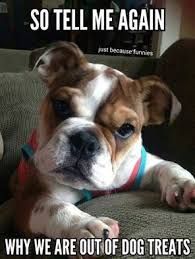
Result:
[84,144]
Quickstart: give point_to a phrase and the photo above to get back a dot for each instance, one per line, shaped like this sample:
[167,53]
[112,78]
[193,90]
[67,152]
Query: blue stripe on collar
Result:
[27,151]
[87,196]
[141,170]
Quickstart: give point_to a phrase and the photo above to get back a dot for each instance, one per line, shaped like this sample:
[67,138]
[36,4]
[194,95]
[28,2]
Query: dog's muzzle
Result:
[84,144]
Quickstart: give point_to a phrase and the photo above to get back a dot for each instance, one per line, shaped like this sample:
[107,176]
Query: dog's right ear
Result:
[159,103]
[61,64]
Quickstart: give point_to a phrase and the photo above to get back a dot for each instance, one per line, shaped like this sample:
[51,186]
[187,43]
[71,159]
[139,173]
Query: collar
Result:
[133,182]
[27,151]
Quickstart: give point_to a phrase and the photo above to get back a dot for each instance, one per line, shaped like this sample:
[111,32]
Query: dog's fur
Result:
[99,100]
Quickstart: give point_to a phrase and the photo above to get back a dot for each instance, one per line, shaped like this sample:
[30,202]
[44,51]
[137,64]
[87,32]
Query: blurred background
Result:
[15,18]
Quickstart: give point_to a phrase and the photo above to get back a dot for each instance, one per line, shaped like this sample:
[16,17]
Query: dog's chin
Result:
[77,179]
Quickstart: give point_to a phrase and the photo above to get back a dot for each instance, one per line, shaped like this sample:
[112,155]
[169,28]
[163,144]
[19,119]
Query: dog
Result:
[88,143]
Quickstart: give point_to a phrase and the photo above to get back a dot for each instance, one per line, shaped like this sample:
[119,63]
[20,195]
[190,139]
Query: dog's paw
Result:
[102,227]
[180,194]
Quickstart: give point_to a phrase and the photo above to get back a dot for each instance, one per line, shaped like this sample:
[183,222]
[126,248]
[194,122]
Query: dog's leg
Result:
[55,218]
[176,184]
[39,212]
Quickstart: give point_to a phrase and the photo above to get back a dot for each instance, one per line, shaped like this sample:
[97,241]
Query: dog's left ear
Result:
[61,63]
[159,103]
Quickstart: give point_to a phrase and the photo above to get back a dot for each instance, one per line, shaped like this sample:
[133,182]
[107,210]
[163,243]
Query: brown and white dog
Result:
[89,138]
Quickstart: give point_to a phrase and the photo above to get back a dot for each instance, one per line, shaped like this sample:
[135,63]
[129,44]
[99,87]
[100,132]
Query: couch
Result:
[141,214]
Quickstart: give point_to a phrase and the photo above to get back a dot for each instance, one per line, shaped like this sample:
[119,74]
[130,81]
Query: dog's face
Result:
[92,117]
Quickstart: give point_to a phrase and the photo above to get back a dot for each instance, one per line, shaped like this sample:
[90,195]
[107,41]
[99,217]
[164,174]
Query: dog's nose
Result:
[84,144]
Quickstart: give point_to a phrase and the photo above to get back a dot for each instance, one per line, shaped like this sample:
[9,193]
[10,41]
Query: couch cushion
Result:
[132,66]
[14,60]
[19,97]
[140,215]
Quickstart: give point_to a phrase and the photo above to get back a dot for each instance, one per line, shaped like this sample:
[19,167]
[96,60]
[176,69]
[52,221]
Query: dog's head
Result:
[92,117]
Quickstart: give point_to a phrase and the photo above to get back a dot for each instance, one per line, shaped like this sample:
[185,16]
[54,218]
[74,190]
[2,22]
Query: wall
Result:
[188,19]
[173,24]
[49,4]
[180,22]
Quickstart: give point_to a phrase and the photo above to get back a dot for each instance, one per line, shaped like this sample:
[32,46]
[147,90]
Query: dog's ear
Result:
[34,57]
[62,63]
[159,103]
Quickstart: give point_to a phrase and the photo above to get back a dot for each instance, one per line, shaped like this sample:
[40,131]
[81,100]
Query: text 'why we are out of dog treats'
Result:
[133,247]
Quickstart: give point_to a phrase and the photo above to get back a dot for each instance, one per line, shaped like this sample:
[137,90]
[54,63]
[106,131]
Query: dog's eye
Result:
[125,131]
[62,109]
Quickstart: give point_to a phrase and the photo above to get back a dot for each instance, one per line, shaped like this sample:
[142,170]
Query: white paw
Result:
[102,227]
[180,194]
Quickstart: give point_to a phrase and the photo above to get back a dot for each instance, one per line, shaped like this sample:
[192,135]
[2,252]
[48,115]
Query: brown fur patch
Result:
[123,106]
[159,103]
[26,197]
[48,117]
[66,65]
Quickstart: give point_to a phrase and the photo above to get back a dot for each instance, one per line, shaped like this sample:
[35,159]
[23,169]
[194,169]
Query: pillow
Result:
[20,94]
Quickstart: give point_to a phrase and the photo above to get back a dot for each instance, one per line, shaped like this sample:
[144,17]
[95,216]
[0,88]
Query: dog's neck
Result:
[125,169]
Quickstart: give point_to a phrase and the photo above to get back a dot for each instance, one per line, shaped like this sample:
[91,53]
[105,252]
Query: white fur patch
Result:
[125,168]
[101,68]
[97,67]
[96,93]
[53,225]
[56,156]
[159,173]
[102,170]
